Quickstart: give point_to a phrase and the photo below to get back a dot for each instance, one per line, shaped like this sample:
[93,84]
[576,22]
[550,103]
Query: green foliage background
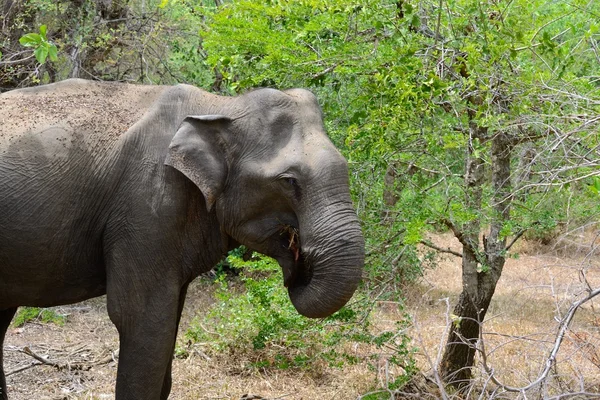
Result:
[392,82]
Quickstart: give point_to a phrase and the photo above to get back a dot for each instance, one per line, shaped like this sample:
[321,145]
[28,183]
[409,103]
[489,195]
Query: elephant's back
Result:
[61,136]
[96,110]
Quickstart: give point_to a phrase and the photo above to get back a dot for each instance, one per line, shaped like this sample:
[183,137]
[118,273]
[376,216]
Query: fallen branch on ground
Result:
[39,360]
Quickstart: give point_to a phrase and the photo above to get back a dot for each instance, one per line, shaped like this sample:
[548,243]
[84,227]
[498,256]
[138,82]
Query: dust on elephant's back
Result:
[88,113]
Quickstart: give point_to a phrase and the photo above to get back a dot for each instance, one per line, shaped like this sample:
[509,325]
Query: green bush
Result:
[44,315]
[254,319]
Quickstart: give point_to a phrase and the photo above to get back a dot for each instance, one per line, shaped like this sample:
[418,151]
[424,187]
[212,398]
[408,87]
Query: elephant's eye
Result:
[293,184]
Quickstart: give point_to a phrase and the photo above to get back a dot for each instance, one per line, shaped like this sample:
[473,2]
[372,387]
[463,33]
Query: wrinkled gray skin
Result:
[133,191]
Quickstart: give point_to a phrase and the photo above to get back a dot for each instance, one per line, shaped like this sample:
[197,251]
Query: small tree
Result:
[489,53]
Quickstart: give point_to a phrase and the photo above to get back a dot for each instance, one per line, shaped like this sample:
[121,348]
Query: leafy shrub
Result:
[255,320]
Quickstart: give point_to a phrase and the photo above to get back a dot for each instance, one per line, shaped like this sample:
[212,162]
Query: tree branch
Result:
[439,249]
[19,61]
[23,368]
[459,235]
[519,234]
[550,360]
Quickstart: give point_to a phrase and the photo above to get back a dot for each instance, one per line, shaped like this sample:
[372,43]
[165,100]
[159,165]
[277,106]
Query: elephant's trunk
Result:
[332,251]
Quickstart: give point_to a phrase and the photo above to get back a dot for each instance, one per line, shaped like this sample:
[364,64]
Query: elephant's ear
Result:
[197,151]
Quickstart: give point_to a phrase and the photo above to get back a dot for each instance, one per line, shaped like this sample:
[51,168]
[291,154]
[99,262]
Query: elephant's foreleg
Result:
[147,330]
[166,389]
[142,295]
[5,318]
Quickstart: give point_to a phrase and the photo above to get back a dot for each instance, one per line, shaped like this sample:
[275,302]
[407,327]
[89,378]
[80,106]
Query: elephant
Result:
[132,191]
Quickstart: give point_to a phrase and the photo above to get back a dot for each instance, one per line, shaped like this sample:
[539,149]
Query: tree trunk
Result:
[481,268]
[459,355]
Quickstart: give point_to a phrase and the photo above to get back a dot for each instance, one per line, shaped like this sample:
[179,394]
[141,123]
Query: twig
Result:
[23,368]
[519,234]
[564,325]
[44,361]
[441,250]
[325,71]
[27,350]
[468,244]
[111,357]
[11,62]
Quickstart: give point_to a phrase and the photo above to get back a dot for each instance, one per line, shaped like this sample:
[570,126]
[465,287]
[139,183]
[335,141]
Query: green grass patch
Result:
[43,315]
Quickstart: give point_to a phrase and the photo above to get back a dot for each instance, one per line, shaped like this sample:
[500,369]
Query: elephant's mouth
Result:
[296,268]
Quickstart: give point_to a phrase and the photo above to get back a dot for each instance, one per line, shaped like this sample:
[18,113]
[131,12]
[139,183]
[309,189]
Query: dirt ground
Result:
[534,292]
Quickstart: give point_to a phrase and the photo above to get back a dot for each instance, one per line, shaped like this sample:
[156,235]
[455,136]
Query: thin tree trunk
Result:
[481,268]
[459,353]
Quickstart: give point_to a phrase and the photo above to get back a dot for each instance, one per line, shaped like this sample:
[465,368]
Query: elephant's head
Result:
[280,187]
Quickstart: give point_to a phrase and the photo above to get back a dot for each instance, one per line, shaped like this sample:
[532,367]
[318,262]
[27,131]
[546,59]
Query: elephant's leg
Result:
[144,306]
[166,388]
[5,318]
[146,335]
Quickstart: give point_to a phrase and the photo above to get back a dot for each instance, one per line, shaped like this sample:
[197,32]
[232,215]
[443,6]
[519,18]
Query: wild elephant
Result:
[133,191]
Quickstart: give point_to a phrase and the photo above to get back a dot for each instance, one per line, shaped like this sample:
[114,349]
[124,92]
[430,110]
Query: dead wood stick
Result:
[107,359]
[27,350]
[23,368]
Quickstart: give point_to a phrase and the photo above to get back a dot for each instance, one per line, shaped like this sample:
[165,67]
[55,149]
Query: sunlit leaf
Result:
[43,30]
[52,52]
[30,40]
[41,53]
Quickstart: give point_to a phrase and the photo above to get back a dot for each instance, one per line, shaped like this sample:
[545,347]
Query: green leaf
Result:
[43,30]
[163,3]
[595,186]
[415,21]
[30,40]
[52,52]
[41,53]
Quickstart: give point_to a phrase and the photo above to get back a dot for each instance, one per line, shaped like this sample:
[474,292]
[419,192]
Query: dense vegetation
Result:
[479,118]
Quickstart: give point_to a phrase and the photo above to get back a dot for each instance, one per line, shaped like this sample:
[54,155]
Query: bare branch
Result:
[23,368]
[460,236]
[19,61]
[518,235]
[439,249]
[550,360]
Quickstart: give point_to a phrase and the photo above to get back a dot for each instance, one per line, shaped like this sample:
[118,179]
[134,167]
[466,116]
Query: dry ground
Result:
[535,290]
[534,293]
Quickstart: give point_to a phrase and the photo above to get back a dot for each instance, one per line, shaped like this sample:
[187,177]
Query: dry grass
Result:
[197,377]
[533,294]
[222,379]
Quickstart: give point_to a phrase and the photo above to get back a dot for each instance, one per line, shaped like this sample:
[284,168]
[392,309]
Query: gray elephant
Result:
[133,191]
